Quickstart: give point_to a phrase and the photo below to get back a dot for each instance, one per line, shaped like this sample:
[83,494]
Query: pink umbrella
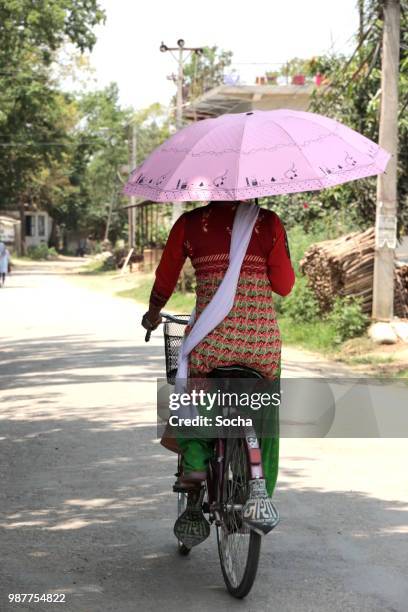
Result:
[250,155]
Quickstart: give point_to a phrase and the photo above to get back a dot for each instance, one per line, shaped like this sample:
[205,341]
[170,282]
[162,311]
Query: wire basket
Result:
[173,337]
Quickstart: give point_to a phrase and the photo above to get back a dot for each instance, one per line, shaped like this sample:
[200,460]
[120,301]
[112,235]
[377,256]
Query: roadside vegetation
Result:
[41,252]
[96,130]
[338,335]
[298,314]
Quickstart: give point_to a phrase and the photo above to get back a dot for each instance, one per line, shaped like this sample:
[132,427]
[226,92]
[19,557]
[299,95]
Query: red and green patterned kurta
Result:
[249,335]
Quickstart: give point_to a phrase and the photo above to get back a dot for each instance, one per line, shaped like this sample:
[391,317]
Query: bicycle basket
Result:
[173,337]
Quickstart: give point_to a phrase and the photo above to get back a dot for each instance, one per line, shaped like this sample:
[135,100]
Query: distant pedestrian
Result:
[4,262]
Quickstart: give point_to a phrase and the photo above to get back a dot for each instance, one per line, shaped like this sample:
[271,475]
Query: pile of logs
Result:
[401,291]
[345,266]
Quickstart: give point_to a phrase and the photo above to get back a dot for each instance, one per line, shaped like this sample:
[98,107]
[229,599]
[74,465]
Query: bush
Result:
[97,248]
[108,264]
[187,279]
[52,253]
[278,302]
[301,305]
[348,319]
[119,255]
[41,252]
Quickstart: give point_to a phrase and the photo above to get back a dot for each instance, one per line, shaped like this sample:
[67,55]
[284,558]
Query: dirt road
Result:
[86,508]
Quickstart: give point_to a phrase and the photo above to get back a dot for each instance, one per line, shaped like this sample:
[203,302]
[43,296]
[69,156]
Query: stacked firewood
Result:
[345,266]
[401,291]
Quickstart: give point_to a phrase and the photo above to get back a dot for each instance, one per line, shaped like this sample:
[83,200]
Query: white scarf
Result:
[223,299]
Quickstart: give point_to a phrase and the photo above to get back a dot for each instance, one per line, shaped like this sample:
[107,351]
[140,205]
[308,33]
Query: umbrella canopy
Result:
[255,154]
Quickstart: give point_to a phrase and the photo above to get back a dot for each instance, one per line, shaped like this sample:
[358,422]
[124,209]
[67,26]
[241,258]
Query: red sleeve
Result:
[280,271]
[171,263]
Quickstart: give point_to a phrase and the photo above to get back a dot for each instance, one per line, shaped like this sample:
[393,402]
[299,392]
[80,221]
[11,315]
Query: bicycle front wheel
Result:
[238,546]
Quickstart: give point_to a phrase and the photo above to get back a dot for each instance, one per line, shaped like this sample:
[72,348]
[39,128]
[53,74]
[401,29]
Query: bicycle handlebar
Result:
[168,317]
[173,319]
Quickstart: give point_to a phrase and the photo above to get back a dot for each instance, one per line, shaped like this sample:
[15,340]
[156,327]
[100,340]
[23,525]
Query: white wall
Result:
[41,228]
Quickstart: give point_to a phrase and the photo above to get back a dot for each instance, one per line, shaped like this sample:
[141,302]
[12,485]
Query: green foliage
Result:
[36,119]
[354,97]
[160,235]
[300,305]
[187,279]
[99,150]
[41,252]
[103,147]
[99,266]
[205,71]
[299,241]
[312,214]
[45,26]
[108,264]
[318,335]
[347,318]
[182,303]
[298,314]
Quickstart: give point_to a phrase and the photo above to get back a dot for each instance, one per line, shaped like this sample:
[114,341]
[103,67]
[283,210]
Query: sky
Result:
[260,33]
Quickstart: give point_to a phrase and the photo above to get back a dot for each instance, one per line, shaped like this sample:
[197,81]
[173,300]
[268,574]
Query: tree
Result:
[32,110]
[205,71]
[100,150]
[353,96]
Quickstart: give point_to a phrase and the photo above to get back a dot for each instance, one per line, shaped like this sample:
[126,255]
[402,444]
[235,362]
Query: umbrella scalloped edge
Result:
[245,193]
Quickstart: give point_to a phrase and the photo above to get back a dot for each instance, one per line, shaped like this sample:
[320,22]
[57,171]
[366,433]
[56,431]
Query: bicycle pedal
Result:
[191,528]
[186,488]
[180,489]
[259,512]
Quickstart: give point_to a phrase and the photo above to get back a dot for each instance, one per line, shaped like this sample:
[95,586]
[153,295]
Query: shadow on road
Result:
[52,360]
[87,510]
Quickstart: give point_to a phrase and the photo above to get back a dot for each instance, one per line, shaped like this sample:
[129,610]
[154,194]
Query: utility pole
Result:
[181,48]
[387,197]
[132,208]
[180,79]
[133,201]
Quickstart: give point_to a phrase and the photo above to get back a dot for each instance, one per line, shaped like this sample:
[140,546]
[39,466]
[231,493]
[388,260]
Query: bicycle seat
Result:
[234,371]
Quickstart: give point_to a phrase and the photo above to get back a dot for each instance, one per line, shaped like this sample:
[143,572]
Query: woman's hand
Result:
[151,321]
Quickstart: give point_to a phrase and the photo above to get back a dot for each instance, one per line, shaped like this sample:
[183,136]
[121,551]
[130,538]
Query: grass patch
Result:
[314,336]
[141,286]
[183,303]
[368,360]
[96,266]
[179,302]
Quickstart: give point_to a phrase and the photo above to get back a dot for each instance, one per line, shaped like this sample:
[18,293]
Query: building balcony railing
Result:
[235,78]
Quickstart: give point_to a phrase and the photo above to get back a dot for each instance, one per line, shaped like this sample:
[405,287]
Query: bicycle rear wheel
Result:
[238,546]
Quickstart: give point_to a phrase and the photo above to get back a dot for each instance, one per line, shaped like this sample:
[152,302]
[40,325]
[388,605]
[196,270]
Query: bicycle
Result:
[233,496]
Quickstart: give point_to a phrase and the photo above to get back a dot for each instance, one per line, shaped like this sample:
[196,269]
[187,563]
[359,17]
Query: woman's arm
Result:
[280,271]
[168,271]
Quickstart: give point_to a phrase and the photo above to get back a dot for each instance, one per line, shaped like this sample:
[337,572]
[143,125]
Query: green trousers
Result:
[197,452]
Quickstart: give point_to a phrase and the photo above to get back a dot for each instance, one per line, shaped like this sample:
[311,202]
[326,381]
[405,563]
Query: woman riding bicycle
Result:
[249,335]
